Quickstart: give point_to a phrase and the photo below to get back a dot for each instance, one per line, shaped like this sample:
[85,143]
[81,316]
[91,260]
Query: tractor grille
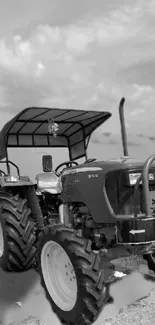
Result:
[152,199]
[126,204]
[121,195]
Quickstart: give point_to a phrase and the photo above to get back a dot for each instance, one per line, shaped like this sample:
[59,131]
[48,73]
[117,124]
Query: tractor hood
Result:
[111,165]
[120,164]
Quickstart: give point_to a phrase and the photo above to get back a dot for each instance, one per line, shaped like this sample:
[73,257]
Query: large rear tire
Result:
[70,275]
[17,237]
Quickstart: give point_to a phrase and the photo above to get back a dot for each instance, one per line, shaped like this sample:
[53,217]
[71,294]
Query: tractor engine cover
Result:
[140,230]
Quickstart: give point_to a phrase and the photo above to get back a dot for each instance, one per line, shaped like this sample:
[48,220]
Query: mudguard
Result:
[22,181]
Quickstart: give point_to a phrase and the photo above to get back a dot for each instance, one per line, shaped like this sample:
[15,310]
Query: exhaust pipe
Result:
[123,129]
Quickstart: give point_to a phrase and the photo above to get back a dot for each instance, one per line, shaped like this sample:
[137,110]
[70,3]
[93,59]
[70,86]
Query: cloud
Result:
[110,139]
[106,134]
[136,112]
[151,138]
[47,61]
[17,58]
[77,39]
[89,63]
[141,90]
[101,139]
[133,144]
[3,96]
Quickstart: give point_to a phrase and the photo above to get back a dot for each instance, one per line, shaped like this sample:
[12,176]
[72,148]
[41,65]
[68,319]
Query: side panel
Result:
[87,187]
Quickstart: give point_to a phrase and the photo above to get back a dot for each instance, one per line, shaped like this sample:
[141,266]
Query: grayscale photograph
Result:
[77,162]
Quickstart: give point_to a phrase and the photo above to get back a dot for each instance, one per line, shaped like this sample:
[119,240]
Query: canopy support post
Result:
[7,162]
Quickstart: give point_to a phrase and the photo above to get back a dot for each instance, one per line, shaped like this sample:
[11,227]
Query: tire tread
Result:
[96,293]
[18,230]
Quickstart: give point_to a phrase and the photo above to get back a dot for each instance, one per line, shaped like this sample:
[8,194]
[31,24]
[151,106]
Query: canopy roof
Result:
[29,128]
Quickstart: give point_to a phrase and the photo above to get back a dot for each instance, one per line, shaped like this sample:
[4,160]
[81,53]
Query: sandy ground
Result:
[22,300]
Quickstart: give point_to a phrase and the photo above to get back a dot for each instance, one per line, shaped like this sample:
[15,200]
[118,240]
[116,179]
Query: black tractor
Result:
[75,219]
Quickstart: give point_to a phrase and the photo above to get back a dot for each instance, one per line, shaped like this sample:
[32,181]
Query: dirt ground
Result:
[22,301]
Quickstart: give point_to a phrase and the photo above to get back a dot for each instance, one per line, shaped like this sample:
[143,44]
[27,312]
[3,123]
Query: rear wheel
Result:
[70,275]
[1,240]
[17,237]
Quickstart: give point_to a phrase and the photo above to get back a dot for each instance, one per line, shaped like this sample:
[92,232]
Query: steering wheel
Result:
[2,172]
[90,160]
[67,164]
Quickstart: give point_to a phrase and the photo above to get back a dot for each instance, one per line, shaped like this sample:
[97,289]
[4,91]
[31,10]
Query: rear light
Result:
[135,176]
[11,179]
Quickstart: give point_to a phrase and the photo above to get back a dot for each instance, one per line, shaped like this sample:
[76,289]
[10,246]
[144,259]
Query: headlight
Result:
[134,177]
[11,179]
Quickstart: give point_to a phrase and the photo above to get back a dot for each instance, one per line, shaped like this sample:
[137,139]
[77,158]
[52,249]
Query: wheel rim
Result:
[1,240]
[59,275]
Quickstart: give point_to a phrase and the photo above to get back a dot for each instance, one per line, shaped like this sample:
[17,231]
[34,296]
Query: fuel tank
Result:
[49,182]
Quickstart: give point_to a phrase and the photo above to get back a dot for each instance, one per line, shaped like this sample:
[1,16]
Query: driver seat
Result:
[49,182]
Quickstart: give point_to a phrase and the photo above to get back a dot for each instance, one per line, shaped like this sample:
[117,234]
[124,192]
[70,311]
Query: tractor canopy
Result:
[31,128]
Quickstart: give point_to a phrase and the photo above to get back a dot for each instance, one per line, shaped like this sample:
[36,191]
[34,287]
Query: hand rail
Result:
[10,162]
[144,177]
[145,181]
[135,194]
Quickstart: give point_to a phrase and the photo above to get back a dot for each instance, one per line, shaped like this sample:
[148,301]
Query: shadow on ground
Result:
[13,288]
[21,295]
[26,289]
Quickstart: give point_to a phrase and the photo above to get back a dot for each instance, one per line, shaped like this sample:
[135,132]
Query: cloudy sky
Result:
[83,54]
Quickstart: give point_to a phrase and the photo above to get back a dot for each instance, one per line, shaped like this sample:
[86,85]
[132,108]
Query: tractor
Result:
[73,220]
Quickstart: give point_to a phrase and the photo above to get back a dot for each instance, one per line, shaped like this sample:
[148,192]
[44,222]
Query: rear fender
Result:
[22,182]
[26,189]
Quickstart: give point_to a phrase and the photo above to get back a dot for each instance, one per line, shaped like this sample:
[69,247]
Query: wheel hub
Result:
[1,240]
[59,275]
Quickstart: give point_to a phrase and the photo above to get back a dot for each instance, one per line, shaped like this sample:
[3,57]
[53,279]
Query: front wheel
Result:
[70,275]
